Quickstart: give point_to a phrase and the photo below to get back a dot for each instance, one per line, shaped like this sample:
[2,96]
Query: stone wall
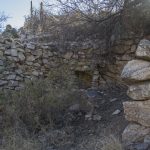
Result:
[21,61]
[137,111]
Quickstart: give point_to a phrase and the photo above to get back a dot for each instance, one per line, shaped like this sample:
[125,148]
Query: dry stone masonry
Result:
[21,62]
[137,111]
[24,60]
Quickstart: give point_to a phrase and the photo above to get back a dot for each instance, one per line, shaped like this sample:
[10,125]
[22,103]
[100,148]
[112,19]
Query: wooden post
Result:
[31,16]
[41,16]
[31,9]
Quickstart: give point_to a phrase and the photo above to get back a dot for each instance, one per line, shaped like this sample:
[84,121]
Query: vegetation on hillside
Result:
[3,19]
[88,18]
[43,109]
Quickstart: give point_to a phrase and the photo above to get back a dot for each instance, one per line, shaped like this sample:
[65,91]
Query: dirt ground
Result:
[85,134]
[82,134]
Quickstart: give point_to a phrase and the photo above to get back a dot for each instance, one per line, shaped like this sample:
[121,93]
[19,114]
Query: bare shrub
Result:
[43,103]
[3,19]
[136,23]
[77,20]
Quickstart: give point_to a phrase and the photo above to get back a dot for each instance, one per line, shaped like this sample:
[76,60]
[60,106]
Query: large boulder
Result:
[143,50]
[136,70]
[138,112]
[139,91]
[134,133]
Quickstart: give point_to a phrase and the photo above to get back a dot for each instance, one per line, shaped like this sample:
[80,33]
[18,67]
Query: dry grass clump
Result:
[43,103]
[40,104]
[111,143]
[101,143]
[13,140]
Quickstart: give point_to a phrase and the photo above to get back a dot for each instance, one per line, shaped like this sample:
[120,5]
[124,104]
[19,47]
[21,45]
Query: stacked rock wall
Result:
[21,61]
[137,111]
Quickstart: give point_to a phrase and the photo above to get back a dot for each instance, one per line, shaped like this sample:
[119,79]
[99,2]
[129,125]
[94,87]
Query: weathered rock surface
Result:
[134,133]
[136,70]
[143,50]
[21,56]
[138,112]
[138,146]
[139,91]
[137,73]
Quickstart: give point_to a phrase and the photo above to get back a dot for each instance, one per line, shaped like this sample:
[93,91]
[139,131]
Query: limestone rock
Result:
[45,61]
[14,52]
[44,47]
[29,63]
[19,78]
[116,112]
[20,50]
[140,91]
[11,77]
[120,49]
[1,63]
[3,82]
[143,50]
[1,53]
[136,70]
[37,65]
[16,59]
[74,108]
[21,56]
[30,46]
[68,55]
[138,146]
[35,73]
[37,52]
[45,54]
[13,83]
[18,71]
[138,112]
[97,117]
[50,54]
[7,52]
[2,48]
[30,58]
[134,133]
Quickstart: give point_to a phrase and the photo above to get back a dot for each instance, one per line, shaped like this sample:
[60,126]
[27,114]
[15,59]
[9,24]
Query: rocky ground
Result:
[84,133]
[108,119]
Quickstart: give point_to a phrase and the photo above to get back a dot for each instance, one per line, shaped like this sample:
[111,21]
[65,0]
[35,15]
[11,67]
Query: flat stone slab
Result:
[138,112]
